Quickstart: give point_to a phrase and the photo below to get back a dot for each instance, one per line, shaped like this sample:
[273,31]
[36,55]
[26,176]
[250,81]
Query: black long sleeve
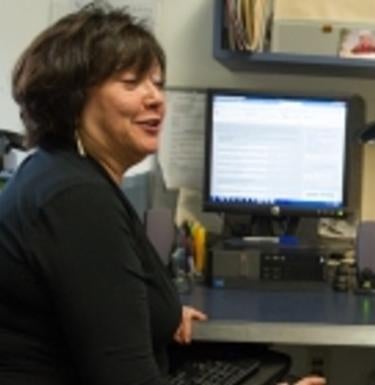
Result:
[98,281]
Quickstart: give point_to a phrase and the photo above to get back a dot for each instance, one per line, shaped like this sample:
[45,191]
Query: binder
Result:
[247,22]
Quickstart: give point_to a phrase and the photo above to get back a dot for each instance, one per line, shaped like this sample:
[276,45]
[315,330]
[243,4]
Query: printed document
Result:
[182,141]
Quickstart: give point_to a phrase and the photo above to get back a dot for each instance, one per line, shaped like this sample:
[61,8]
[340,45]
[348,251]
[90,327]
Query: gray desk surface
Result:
[306,317]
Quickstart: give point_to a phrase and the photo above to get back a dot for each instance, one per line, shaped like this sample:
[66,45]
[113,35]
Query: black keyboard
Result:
[214,372]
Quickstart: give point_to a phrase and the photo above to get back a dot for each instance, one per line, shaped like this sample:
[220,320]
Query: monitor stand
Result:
[267,229]
[274,226]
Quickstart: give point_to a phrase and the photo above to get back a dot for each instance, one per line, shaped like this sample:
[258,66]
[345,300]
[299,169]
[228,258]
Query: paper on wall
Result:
[339,11]
[181,147]
[189,208]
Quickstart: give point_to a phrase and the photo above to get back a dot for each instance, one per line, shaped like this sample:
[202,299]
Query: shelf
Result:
[321,65]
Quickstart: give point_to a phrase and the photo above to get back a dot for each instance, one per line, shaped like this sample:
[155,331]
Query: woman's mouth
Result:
[151,125]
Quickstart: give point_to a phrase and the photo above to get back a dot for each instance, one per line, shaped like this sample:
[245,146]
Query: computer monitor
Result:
[279,154]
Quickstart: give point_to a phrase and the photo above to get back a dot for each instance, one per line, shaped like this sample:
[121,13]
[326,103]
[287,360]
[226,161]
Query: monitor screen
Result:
[277,154]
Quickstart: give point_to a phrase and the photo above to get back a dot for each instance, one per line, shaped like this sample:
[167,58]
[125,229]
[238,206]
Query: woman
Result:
[84,299]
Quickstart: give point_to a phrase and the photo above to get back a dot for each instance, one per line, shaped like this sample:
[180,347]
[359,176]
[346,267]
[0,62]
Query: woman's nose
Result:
[154,95]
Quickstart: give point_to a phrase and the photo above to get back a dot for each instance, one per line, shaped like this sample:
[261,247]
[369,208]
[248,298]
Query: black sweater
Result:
[84,299]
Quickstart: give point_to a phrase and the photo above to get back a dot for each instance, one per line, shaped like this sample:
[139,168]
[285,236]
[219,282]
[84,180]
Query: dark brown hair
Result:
[53,75]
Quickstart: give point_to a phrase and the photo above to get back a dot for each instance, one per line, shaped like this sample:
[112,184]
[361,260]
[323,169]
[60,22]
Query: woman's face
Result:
[122,117]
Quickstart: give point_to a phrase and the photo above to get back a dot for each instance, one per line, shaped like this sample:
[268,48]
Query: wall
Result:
[186,33]
[19,21]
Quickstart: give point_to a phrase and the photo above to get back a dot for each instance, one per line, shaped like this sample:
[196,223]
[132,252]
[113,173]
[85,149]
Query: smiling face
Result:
[121,120]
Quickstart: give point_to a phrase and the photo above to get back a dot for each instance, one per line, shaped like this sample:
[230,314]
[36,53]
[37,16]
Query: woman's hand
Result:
[309,380]
[312,380]
[184,330]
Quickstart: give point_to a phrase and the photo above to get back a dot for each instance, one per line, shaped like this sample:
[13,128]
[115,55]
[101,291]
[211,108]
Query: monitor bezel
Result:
[355,106]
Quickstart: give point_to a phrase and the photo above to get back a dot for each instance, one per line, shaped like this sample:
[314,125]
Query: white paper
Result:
[181,149]
[147,10]
[189,208]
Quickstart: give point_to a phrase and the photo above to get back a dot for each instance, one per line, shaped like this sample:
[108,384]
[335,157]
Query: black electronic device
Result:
[270,267]
[280,154]
[226,363]
[215,372]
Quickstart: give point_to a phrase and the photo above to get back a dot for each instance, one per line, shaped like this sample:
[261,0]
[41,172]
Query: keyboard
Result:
[214,372]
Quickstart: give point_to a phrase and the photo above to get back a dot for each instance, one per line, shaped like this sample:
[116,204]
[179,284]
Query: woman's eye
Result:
[159,84]
[132,82]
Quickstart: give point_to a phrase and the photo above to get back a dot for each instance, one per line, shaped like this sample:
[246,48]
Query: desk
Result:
[307,317]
